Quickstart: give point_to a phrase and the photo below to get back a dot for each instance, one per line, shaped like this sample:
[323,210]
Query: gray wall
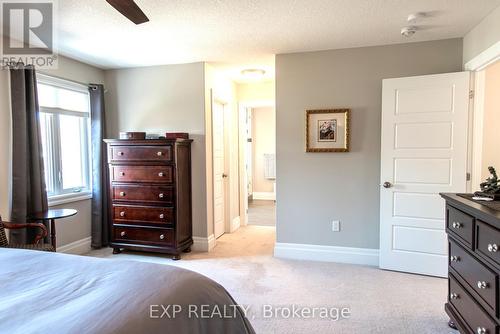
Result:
[159,99]
[315,188]
[70,229]
[482,36]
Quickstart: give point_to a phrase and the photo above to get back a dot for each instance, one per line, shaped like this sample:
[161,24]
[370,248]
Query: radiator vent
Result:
[270,166]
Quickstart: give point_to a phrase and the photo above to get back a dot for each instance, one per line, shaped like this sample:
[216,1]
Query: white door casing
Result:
[423,153]
[245,180]
[218,167]
[249,152]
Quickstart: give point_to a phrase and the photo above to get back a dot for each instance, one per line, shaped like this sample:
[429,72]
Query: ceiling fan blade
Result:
[130,10]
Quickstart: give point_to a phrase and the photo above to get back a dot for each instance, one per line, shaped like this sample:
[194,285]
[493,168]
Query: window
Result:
[65,131]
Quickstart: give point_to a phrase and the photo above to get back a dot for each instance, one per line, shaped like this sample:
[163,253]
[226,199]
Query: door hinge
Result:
[468,177]
[471,94]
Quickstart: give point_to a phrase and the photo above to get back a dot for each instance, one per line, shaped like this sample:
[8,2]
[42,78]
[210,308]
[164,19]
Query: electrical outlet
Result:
[336,226]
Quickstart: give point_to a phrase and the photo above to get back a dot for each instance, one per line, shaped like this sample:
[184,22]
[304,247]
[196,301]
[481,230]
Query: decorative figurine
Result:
[491,187]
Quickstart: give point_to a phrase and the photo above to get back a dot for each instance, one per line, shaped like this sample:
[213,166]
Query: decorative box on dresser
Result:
[150,195]
[474,265]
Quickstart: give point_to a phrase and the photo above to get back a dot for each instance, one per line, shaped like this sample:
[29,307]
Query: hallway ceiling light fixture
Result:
[412,20]
[408,31]
[253,73]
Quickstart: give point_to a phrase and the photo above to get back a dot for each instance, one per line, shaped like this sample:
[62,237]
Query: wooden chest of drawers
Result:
[150,195]
[474,266]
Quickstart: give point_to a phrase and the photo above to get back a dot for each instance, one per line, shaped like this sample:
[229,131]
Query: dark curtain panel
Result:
[28,182]
[100,229]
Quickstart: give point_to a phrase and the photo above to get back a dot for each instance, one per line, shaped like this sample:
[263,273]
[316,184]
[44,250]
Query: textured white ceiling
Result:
[250,32]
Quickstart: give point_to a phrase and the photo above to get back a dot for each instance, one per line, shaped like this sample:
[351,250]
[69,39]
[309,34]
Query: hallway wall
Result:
[491,121]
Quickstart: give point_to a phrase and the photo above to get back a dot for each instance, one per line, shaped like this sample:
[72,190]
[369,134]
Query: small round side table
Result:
[51,215]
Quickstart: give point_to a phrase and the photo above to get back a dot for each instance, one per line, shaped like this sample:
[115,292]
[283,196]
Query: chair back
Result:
[3,235]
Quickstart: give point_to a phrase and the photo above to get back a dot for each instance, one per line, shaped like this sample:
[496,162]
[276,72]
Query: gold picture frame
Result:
[327,130]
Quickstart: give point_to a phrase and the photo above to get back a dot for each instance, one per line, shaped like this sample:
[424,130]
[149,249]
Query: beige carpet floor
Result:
[262,213]
[379,301]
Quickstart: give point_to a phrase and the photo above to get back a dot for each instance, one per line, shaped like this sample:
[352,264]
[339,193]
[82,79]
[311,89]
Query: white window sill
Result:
[69,198]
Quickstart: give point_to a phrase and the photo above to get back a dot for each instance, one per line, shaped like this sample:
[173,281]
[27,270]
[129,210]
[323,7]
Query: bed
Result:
[58,293]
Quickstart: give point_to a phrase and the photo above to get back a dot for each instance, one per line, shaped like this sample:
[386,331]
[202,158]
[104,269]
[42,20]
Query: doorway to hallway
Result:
[261,212]
[260,164]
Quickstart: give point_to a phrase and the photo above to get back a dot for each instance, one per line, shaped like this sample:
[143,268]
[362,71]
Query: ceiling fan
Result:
[130,10]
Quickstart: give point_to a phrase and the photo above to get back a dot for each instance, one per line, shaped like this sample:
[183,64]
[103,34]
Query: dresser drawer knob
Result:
[123,234]
[122,173]
[456,225]
[454,258]
[120,153]
[122,193]
[159,153]
[492,248]
[482,284]
[161,174]
[162,216]
[122,214]
[481,330]
[454,296]
[162,236]
[161,195]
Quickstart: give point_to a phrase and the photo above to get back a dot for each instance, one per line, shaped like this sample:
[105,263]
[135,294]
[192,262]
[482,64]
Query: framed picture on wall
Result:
[327,130]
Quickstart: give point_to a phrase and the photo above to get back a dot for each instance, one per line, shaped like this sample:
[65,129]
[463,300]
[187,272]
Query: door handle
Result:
[387,184]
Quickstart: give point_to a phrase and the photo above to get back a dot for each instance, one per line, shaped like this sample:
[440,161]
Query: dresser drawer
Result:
[472,313]
[478,276]
[131,193]
[142,214]
[488,241]
[141,153]
[158,174]
[460,224]
[143,235]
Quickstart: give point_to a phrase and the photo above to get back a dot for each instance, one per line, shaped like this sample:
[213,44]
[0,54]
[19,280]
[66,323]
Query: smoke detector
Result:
[414,17]
[408,31]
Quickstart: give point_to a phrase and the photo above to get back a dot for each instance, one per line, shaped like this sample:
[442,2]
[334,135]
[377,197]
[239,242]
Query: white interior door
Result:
[218,168]
[424,152]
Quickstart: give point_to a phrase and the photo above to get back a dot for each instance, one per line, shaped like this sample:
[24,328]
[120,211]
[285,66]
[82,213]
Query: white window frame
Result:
[66,196]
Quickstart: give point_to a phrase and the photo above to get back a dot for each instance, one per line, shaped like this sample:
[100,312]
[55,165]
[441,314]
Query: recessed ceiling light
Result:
[253,73]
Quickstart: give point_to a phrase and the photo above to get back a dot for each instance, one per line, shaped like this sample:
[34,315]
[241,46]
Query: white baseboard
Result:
[365,256]
[265,196]
[78,247]
[244,220]
[202,244]
[235,224]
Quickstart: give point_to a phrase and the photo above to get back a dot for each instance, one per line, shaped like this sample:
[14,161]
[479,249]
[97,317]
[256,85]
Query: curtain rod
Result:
[15,65]
[12,65]
[63,78]
[70,80]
